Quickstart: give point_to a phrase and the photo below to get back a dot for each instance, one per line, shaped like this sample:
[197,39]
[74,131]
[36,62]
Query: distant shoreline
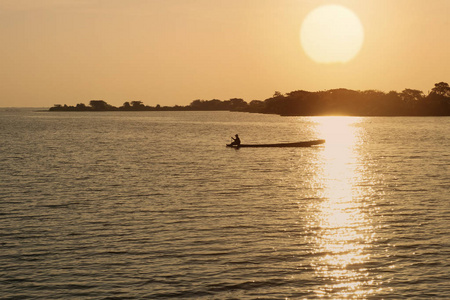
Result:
[343,102]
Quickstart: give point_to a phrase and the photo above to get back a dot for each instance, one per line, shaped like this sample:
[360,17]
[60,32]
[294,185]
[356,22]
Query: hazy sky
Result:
[171,52]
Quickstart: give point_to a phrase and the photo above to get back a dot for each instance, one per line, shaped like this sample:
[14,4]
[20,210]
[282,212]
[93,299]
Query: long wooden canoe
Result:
[297,144]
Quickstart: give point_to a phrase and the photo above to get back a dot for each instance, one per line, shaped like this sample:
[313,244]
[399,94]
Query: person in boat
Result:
[236,140]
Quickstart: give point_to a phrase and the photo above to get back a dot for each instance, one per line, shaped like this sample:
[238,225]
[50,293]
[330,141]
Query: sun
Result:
[331,34]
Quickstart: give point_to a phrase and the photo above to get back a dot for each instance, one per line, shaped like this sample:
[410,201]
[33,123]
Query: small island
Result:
[409,102]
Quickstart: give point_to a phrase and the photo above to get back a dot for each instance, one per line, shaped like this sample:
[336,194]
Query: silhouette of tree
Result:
[81,106]
[238,104]
[441,89]
[137,105]
[100,105]
[277,94]
[196,104]
[256,106]
[390,105]
[126,106]
[412,95]
[214,104]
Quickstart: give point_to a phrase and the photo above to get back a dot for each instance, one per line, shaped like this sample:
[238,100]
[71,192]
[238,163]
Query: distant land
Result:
[342,101]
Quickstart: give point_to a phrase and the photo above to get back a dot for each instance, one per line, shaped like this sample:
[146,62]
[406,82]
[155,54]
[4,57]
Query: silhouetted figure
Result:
[236,141]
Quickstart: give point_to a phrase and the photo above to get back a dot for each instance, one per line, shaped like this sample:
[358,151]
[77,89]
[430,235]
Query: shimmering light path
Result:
[340,220]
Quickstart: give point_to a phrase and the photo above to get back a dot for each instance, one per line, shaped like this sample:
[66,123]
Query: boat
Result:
[297,144]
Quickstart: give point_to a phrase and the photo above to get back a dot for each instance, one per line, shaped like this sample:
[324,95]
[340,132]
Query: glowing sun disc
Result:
[331,34]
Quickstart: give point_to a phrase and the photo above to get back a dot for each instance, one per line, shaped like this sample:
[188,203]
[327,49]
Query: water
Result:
[152,205]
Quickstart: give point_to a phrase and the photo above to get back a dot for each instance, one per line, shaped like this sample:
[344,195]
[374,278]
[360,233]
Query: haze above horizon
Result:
[173,52]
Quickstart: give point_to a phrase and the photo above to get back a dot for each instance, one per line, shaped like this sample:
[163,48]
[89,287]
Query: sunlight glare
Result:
[331,34]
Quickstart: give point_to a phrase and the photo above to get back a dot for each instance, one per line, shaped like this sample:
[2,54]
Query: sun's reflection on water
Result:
[341,227]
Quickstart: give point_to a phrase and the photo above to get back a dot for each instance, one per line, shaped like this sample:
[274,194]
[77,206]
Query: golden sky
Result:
[171,52]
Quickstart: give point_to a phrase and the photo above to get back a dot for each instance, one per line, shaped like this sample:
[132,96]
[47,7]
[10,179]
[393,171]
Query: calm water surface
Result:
[130,205]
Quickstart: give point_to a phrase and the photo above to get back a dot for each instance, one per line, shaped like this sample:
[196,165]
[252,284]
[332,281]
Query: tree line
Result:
[101,105]
[409,102]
